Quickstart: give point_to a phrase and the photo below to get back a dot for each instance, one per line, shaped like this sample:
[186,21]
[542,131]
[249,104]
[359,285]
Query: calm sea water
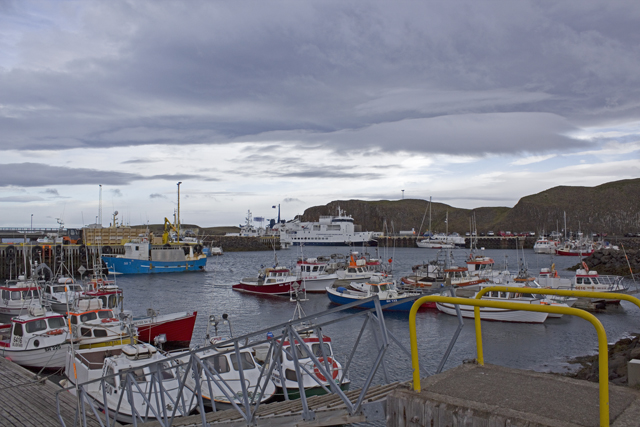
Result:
[540,347]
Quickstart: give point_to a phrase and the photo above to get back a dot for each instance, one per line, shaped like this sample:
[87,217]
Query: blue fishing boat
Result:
[385,290]
[140,257]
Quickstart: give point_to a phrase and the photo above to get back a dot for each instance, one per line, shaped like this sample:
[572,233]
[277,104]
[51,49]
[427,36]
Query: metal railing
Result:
[195,375]
[477,303]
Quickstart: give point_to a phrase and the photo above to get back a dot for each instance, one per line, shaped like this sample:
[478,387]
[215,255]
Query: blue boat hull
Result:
[342,300]
[136,266]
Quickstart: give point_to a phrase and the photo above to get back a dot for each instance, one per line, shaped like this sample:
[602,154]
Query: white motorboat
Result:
[545,246]
[284,373]
[18,296]
[314,276]
[62,294]
[360,269]
[35,339]
[221,362]
[131,386]
[500,314]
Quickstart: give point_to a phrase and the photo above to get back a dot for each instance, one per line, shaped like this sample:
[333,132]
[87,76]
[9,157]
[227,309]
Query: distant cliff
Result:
[612,208]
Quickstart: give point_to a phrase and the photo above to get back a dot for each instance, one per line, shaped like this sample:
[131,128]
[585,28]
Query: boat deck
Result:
[27,401]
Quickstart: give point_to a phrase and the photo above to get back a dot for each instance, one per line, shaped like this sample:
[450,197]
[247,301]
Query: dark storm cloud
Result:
[41,175]
[450,77]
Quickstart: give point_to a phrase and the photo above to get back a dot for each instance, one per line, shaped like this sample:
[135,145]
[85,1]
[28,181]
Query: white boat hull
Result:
[319,284]
[50,357]
[497,314]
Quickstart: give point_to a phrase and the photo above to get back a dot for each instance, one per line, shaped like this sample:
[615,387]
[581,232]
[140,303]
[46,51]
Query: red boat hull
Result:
[274,289]
[178,331]
[572,253]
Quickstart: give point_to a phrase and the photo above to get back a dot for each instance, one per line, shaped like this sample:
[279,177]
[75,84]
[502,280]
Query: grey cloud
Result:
[115,192]
[414,76]
[157,196]
[51,191]
[21,199]
[40,175]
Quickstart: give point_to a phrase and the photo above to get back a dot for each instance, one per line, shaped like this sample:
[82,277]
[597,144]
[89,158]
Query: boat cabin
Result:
[32,330]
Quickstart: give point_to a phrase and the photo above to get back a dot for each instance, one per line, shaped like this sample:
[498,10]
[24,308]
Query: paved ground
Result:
[476,392]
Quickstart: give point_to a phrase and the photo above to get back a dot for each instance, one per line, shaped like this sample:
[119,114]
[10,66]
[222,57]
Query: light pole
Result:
[402,194]
[31,222]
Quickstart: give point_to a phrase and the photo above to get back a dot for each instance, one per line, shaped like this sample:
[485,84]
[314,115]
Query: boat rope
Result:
[38,380]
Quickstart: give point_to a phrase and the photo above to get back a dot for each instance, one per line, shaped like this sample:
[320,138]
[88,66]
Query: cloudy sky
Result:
[251,104]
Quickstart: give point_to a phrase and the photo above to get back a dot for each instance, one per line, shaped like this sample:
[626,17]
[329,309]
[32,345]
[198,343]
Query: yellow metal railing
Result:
[603,358]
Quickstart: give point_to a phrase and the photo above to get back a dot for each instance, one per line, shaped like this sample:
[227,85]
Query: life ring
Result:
[333,366]
[83,249]
[109,320]
[586,267]
[55,332]
[10,251]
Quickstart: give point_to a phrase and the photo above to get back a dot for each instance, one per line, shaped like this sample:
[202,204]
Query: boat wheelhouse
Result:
[35,339]
[314,275]
[18,296]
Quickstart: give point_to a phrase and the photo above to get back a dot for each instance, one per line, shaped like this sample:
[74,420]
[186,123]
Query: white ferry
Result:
[328,231]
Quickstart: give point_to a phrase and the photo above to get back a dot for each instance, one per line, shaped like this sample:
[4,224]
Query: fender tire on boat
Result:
[58,250]
[10,251]
[83,249]
[37,250]
[186,250]
[107,250]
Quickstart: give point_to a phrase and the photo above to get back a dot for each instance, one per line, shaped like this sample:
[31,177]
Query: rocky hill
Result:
[612,208]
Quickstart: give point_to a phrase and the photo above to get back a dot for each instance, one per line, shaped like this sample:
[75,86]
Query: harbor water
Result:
[546,347]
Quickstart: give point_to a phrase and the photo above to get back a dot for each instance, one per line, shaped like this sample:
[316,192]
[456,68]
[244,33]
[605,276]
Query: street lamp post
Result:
[31,222]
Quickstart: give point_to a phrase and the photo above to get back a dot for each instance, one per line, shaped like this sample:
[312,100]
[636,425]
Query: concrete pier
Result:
[490,396]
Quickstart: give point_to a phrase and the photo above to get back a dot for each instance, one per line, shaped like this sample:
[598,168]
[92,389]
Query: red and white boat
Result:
[35,339]
[177,328]
[481,266]
[545,246]
[314,275]
[271,281]
[18,296]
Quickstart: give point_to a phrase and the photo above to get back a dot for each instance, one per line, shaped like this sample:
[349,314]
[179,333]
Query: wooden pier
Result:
[29,401]
[327,410]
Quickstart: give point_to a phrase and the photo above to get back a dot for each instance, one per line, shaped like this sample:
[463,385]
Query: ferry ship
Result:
[328,231]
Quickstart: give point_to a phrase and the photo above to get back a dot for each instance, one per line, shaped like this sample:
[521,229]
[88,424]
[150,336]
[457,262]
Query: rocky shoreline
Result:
[620,354]
[619,262]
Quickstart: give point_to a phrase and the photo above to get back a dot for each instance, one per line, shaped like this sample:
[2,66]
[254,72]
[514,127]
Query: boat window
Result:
[317,351]
[527,295]
[5,294]
[86,332]
[290,374]
[105,314]
[138,375]
[17,330]
[579,281]
[384,287]
[47,290]
[74,320]
[15,295]
[301,353]
[594,281]
[247,361]
[219,363]
[36,325]
[166,372]
[587,281]
[110,380]
[351,270]
[374,289]
[315,268]
[100,333]
[57,289]
[503,295]
[88,316]
[56,322]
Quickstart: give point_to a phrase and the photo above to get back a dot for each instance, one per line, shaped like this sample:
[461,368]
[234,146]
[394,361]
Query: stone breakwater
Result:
[616,262]
[619,355]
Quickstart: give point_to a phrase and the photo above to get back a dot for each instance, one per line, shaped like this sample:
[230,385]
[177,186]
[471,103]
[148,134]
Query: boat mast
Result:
[177,224]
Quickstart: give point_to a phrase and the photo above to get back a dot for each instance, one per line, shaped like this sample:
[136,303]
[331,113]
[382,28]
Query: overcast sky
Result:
[252,104]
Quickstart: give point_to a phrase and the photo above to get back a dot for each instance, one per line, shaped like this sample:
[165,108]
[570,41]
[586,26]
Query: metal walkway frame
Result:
[477,302]
[165,409]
